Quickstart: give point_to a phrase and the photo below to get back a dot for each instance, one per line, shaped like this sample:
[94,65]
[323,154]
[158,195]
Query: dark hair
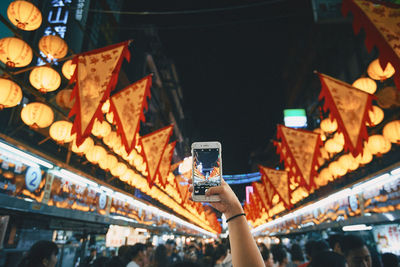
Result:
[124,254]
[185,264]
[265,253]
[389,260]
[309,247]
[39,251]
[101,262]
[335,239]
[328,259]
[160,255]
[278,252]
[116,261]
[351,242]
[135,249]
[219,251]
[319,246]
[296,253]
[209,250]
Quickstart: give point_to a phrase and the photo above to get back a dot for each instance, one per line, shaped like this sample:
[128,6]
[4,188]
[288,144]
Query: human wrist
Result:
[234,211]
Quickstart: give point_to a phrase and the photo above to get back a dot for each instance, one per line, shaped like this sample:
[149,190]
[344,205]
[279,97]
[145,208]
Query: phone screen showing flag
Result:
[206,169]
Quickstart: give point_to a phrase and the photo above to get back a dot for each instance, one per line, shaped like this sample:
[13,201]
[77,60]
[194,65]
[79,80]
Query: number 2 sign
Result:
[33,177]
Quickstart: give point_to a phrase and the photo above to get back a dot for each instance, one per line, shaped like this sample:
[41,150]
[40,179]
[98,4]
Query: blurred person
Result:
[185,264]
[123,254]
[101,261]
[160,256]
[149,254]
[296,255]
[171,253]
[208,257]
[243,246]
[326,258]
[219,256]
[335,243]
[356,252]
[191,254]
[267,257]
[88,260]
[43,253]
[280,255]
[309,250]
[137,254]
[390,260]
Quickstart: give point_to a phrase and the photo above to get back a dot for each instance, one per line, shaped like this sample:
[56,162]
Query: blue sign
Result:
[33,177]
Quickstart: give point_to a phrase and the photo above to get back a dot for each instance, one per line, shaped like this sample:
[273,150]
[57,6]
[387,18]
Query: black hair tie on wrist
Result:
[235,216]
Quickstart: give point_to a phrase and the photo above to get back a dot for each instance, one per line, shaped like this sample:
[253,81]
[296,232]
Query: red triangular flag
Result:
[381,24]
[349,106]
[96,75]
[260,191]
[127,106]
[153,145]
[280,181]
[269,190]
[302,150]
[165,163]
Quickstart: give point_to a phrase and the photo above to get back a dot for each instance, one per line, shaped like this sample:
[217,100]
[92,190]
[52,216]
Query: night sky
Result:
[230,64]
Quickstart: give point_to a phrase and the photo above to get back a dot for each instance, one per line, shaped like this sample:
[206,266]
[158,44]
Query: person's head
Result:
[220,252]
[279,254]
[170,244]
[309,248]
[93,252]
[296,253]
[267,257]
[208,250]
[328,259]
[319,245]
[124,254]
[160,255]
[149,247]
[335,242]
[390,260]
[42,254]
[356,252]
[137,252]
[101,262]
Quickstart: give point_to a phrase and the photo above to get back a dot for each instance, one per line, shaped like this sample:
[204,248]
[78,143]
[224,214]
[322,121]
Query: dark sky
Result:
[230,66]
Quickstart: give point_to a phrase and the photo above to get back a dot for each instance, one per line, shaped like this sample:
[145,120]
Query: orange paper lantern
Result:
[348,162]
[63,99]
[53,46]
[119,169]
[365,157]
[37,115]
[336,169]
[10,93]
[376,116]
[84,147]
[328,125]
[377,144]
[333,147]
[108,162]
[105,108]
[127,176]
[101,129]
[391,131]
[365,84]
[95,154]
[68,69]
[112,140]
[376,72]
[25,15]
[14,52]
[45,79]
[60,131]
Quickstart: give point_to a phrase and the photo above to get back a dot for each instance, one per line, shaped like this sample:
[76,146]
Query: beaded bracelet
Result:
[234,216]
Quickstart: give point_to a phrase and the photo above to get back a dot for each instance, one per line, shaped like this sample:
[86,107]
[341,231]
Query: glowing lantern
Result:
[84,147]
[338,138]
[25,15]
[37,115]
[391,131]
[328,125]
[376,116]
[53,46]
[68,69]
[45,79]
[14,52]
[321,134]
[348,162]
[101,129]
[119,169]
[60,131]
[10,93]
[105,108]
[336,169]
[127,176]
[63,99]
[110,117]
[376,144]
[326,175]
[333,147]
[365,84]
[365,157]
[112,140]
[95,154]
[108,162]
[376,72]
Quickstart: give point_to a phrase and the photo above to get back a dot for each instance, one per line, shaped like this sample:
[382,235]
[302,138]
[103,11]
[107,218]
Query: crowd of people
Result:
[239,250]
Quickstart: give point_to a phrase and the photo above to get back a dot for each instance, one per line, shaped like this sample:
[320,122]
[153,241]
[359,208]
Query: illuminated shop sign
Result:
[57,18]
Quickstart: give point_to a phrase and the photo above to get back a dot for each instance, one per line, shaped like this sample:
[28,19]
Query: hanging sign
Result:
[33,177]
[279,180]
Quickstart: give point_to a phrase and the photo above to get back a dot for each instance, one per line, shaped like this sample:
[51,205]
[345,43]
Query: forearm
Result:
[244,249]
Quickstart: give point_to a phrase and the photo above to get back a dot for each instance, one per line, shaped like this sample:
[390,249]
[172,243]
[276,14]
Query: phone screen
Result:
[206,169]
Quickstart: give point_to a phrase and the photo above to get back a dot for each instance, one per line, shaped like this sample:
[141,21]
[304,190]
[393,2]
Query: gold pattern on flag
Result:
[153,147]
[269,190]
[262,194]
[94,74]
[165,163]
[302,146]
[129,104]
[350,103]
[280,181]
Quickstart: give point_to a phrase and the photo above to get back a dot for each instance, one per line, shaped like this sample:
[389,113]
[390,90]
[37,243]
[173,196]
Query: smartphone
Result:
[206,169]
